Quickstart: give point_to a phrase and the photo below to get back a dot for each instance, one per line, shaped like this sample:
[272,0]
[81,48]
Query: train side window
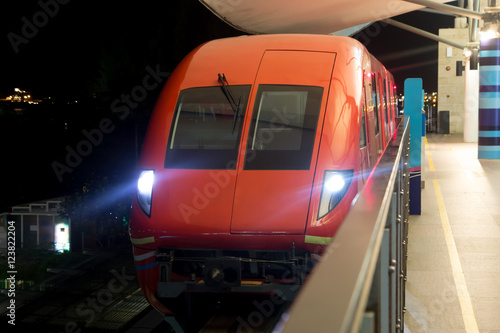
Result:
[206,131]
[362,130]
[376,104]
[392,89]
[283,127]
[386,106]
[394,104]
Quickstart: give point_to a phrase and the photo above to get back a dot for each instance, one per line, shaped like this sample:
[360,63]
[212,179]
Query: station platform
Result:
[453,276]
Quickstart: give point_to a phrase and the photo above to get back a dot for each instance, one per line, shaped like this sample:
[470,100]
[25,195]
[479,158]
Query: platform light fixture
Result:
[472,52]
[491,18]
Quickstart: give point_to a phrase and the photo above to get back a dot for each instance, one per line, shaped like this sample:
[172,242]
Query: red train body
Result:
[254,153]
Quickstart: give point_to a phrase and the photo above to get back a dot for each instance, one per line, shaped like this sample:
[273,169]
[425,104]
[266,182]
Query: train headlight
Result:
[145,190]
[335,186]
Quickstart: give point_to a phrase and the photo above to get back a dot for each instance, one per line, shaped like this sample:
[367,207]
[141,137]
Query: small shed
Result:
[35,224]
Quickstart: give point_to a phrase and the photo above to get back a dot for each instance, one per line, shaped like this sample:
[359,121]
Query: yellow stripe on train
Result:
[317,240]
[140,241]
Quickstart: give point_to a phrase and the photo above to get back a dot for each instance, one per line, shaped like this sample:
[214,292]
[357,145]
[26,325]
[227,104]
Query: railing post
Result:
[385,285]
[400,195]
[394,261]
[404,215]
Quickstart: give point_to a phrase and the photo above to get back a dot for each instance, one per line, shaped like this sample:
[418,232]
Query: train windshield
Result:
[283,127]
[206,131]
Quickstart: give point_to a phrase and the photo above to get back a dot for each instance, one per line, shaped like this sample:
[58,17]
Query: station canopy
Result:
[299,16]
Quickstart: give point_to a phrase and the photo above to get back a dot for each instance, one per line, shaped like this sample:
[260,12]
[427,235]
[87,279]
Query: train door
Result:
[274,182]
[364,138]
[379,141]
[394,105]
[382,109]
[385,110]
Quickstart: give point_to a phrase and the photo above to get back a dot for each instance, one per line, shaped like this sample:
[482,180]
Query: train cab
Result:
[256,149]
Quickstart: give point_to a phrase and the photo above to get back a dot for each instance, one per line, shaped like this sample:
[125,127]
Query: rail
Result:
[359,284]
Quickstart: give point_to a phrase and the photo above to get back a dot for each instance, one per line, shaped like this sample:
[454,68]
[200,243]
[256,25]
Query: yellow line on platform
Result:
[468,315]
[431,164]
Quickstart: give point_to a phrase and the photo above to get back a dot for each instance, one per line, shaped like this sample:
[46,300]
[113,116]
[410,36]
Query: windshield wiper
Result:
[229,96]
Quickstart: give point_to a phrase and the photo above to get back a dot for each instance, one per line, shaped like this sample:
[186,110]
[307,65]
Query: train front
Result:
[226,200]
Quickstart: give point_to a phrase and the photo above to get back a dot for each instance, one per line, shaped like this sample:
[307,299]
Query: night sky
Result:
[86,54]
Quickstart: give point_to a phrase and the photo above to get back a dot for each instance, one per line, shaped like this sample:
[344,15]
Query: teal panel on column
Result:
[413,109]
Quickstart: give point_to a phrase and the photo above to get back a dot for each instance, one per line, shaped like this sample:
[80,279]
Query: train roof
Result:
[303,42]
[239,57]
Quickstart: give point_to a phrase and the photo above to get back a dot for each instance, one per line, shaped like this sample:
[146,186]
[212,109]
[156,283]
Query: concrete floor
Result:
[454,245]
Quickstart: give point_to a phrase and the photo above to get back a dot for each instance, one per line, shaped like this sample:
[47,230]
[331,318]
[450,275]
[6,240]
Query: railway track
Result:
[235,314]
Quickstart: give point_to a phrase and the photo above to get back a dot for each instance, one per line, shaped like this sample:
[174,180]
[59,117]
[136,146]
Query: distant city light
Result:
[22,96]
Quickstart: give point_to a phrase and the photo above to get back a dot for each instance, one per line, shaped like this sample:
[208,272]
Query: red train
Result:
[254,153]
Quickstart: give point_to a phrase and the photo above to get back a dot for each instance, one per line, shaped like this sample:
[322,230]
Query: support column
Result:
[489,99]
[471,103]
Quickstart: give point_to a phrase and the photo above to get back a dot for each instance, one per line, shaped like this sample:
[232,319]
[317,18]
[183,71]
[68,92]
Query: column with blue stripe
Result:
[489,99]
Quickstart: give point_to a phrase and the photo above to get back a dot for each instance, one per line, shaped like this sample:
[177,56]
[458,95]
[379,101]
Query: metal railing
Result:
[359,284]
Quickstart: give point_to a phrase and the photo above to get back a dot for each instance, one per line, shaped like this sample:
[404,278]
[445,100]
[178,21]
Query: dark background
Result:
[91,52]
